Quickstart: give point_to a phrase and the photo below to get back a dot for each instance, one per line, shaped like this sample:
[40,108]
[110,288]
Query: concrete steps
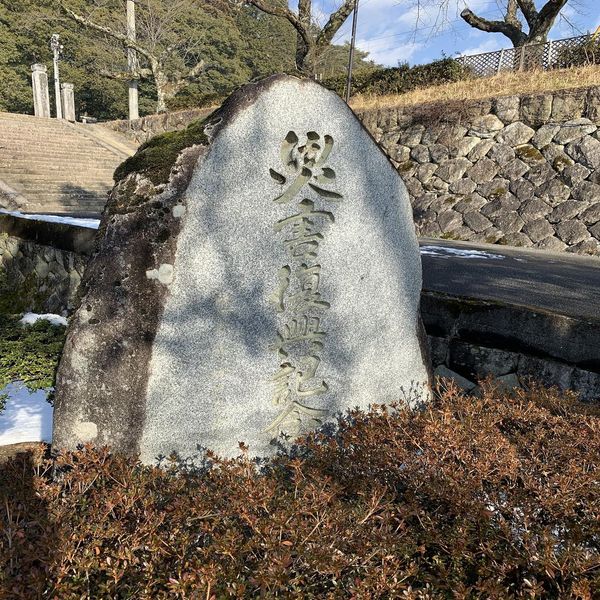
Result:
[53,166]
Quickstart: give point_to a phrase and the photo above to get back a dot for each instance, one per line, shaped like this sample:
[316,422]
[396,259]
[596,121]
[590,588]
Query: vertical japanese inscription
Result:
[300,339]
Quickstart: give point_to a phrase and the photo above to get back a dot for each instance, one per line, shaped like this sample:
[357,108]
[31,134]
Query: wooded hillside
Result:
[236,43]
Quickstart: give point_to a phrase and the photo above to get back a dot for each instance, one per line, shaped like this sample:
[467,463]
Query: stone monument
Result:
[272,283]
[68,101]
[41,96]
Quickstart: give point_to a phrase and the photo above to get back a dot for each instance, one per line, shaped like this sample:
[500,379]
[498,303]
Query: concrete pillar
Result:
[68,102]
[132,63]
[41,96]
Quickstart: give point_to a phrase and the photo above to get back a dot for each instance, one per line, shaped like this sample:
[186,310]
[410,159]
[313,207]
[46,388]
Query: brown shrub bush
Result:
[491,497]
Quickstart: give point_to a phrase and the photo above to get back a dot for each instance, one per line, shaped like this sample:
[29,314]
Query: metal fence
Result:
[551,55]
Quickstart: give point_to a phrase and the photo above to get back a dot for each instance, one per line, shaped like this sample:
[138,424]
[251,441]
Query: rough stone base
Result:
[470,341]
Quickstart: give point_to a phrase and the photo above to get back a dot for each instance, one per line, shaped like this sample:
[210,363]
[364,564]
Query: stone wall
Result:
[523,171]
[472,339]
[142,129]
[41,264]
[516,170]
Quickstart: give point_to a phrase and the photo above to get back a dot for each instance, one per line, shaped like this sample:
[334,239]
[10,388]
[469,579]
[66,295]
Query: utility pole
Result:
[57,48]
[351,59]
[132,62]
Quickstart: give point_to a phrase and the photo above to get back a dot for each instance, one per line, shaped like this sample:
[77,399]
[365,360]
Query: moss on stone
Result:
[562,162]
[406,166]
[450,235]
[29,353]
[156,157]
[19,298]
[528,153]
[127,197]
[497,193]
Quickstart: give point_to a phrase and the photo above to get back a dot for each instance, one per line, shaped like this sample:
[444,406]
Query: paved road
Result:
[563,283]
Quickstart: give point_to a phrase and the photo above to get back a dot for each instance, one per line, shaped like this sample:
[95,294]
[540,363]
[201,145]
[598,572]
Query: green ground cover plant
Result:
[29,353]
[401,79]
[492,497]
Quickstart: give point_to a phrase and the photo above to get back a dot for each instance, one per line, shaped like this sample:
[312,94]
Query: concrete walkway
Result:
[565,284]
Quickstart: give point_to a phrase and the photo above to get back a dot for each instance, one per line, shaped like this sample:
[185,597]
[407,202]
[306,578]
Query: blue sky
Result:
[388,29]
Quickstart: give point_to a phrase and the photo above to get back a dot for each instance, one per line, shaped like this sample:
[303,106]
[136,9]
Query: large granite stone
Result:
[536,109]
[507,108]
[273,282]
[452,170]
[538,230]
[585,151]
[543,136]
[515,134]
[574,130]
[486,126]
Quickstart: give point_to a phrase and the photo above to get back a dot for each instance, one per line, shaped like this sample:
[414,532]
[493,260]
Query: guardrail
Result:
[584,49]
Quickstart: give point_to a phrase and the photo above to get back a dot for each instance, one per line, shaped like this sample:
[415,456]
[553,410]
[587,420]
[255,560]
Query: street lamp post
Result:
[57,48]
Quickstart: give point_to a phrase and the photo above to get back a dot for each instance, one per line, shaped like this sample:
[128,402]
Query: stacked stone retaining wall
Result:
[473,339]
[516,170]
[142,129]
[41,264]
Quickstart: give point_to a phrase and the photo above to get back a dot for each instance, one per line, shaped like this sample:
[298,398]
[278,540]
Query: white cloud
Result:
[490,45]
[389,51]
[388,29]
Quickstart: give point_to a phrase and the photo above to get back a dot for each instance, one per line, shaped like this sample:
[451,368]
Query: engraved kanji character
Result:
[298,330]
[308,296]
[284,281]
[283,381]
[305,375]
[292,416]
[307,161]
[305,234]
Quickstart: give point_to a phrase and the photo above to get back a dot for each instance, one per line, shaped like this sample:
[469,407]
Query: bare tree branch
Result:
[336,20]
[511,14]
[310,44]
[283,12]
[516,36]
[194,72]
[126,75]
[529,11]
[121,37]
[550,11]
[539,22]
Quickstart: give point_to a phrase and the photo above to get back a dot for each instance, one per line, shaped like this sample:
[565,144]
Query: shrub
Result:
[586,54]
[402,79]
[489,497]
[29,353]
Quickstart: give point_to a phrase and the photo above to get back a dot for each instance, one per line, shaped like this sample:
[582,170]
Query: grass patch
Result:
[505,84]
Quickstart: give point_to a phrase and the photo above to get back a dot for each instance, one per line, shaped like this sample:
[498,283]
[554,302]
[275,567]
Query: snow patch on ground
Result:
[27,416]
[31,318]
[78,221]
[444,252]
